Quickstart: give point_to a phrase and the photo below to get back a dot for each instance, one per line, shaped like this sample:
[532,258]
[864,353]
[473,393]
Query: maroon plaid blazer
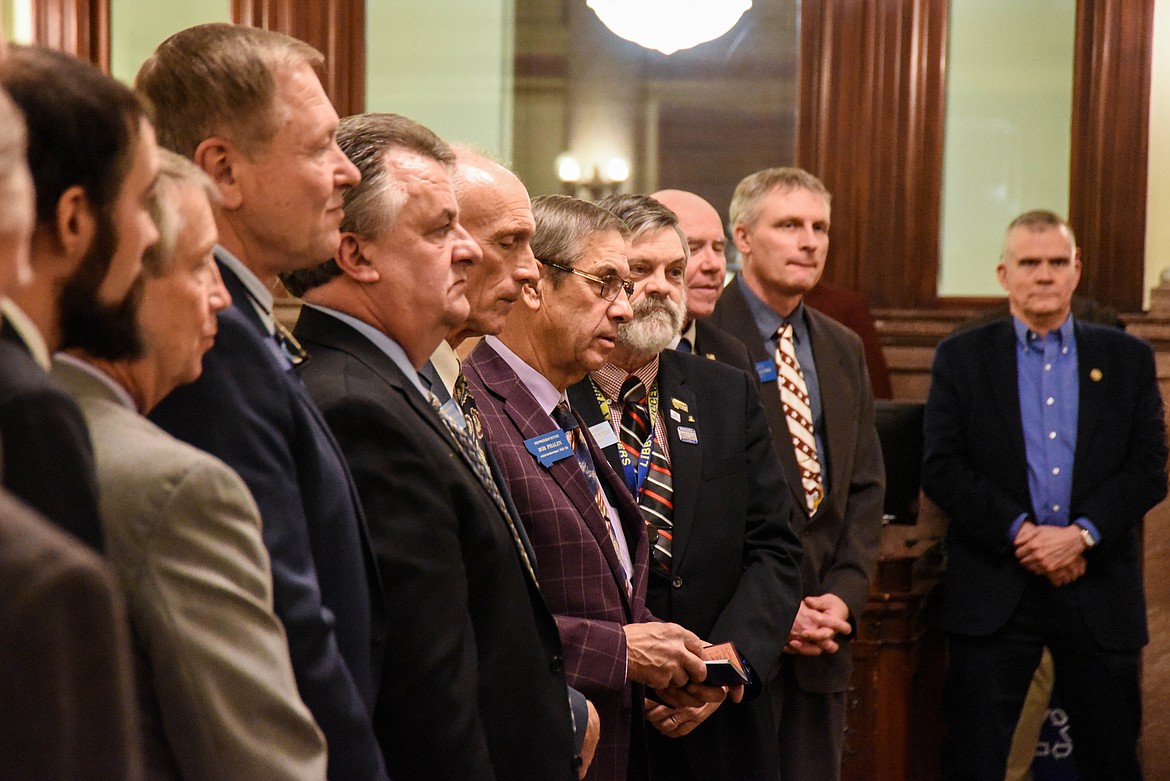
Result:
[579,570]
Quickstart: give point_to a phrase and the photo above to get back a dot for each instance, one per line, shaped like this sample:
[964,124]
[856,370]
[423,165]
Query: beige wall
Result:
[1158,202]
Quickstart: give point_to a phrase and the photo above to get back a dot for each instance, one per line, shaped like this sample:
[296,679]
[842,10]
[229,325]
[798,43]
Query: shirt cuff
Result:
[1088,526]
[1014,529]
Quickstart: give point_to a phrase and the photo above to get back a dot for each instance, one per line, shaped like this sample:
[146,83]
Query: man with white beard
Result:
[691,439]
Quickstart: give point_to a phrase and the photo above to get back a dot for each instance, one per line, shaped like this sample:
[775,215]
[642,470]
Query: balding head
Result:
[494,208]
[703,229]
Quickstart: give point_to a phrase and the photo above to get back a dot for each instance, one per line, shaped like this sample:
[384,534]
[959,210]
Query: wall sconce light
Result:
[669,25]
[606,180]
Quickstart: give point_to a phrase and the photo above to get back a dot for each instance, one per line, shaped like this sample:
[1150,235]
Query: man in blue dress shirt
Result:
[1045,444]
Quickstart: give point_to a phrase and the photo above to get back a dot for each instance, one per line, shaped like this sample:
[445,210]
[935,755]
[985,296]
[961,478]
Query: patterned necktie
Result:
[565,418]
[473,454]
[798,412]
[656,494]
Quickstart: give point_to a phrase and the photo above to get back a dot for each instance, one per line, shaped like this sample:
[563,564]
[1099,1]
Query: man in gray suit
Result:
[217,690]
[819,406]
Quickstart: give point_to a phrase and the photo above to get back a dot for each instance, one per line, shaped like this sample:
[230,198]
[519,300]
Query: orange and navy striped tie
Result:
[655,496]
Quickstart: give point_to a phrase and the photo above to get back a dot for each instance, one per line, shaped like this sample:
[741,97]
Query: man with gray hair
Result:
[724,562]
[820,408]
[248,107]
[215,683]
[473,685]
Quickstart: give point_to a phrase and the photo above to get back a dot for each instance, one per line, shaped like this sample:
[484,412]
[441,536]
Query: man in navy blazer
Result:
[263,129]
[1045,445]
[732,571]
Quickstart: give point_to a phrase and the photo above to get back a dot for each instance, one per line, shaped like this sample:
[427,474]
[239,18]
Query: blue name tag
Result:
[549,448]
[766,369]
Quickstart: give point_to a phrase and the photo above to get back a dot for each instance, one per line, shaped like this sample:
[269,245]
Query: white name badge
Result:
[603,433]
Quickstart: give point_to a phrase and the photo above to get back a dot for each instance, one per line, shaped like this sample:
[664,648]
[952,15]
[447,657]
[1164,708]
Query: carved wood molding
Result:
[77,27]
[1110,124]
[337,28]
[871,127]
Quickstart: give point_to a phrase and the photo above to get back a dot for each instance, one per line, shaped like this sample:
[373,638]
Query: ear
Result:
[220,159]
[1001,275]
[742,239]
[76,223]
[531,293]
[353,262]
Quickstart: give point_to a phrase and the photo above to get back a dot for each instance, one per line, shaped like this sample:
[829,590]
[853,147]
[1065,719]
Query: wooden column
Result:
[77,27]
[1110,135]
[335,27]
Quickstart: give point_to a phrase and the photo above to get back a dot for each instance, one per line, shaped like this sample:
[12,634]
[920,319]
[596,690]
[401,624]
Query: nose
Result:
[346,174]
[217,295]
[526,272]
[620,310]
[465,249]
[707,260]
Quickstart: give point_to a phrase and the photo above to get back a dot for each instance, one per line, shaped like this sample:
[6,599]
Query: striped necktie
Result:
[655,495]
[798,413]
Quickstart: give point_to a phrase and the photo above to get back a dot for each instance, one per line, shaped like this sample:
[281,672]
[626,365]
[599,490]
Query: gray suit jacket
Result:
[216,685]
[841,541]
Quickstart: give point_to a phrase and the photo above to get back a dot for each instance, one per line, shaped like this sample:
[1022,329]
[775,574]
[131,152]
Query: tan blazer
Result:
[218,696]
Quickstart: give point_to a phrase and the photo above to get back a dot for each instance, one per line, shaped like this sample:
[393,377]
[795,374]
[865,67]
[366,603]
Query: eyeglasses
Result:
[611,285]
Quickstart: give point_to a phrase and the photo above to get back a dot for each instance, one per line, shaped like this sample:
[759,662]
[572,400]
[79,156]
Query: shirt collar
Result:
[1025,336]
[391,348]
[28,332]
[610,378]
[121,395]
[259,295]
[446,363]
[688,334]
[767,320]
[545,393]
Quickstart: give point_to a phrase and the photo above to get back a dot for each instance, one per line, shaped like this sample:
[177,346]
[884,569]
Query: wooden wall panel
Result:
[336,27]
[1111,91]
[78,27]
[870,126]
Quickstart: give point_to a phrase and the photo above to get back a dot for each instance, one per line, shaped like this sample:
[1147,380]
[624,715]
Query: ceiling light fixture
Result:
[669,25]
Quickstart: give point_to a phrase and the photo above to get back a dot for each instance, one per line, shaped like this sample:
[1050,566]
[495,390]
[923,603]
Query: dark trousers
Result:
[810,729]
[988,678]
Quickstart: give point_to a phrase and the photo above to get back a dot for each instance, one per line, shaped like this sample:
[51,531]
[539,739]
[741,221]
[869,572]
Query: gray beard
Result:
[655,324]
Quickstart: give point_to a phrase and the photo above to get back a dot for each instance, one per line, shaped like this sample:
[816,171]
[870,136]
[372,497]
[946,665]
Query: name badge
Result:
[549,448]
[603,433]
[766,370]
[677,418]
[688,435]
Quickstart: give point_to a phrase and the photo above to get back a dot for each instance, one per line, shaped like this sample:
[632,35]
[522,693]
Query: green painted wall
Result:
[1009,109]
[447,65]
[138,26]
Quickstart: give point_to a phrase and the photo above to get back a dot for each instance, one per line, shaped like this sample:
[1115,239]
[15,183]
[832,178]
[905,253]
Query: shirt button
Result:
[1056,508]
[1047,367]
[1050,401]
[676,581]
[1055,470]
[1052,435]
[1064,351]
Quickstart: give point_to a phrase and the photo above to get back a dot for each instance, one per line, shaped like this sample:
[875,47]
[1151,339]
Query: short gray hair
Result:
[1038,220]
[15,180]
[750,192]
[643,214]
[175,172]
[562,224]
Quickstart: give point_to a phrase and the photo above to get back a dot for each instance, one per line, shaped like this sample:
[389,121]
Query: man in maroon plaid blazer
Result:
[588,534]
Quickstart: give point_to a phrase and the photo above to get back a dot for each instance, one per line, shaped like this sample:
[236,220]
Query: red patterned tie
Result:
[798,412]
[656,494]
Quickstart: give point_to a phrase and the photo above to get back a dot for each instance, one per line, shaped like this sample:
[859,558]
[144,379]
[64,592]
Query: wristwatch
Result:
[1086,537]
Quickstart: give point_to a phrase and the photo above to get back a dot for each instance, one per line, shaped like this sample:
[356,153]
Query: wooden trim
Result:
[871,127]
[77,27]
[1110,136]
[337,28]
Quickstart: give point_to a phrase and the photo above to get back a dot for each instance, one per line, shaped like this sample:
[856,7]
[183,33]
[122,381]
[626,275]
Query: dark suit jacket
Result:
[717,344]
[474,686]
[840,542]
[250,410]
[48,457]
[851,310]
[67,705]
[975,468]
[734,564]
[580,574]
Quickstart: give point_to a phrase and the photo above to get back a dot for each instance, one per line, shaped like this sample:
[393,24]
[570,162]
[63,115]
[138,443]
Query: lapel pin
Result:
[1095,375]
[710,356]
[688,435]
[690,418]
[677,418]
[679,405]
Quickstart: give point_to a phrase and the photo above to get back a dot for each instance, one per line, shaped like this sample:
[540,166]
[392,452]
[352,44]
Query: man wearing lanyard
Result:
[690,438]
[1045,445]
[820,410]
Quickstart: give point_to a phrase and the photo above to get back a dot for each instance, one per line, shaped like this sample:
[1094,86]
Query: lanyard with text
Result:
[635,473]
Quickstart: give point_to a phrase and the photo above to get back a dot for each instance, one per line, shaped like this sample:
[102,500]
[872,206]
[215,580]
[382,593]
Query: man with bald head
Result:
[706,275]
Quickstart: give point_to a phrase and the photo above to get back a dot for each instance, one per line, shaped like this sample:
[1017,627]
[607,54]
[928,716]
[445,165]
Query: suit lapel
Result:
[838,408]
[1003,382]
[1094,394]
[531,421]
[686,458]
[584,400]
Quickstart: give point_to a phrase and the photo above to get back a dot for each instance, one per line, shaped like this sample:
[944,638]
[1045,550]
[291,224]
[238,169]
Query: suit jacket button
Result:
[676,581]
[558,665]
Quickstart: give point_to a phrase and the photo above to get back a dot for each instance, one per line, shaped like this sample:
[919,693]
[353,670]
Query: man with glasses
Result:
[588,534]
